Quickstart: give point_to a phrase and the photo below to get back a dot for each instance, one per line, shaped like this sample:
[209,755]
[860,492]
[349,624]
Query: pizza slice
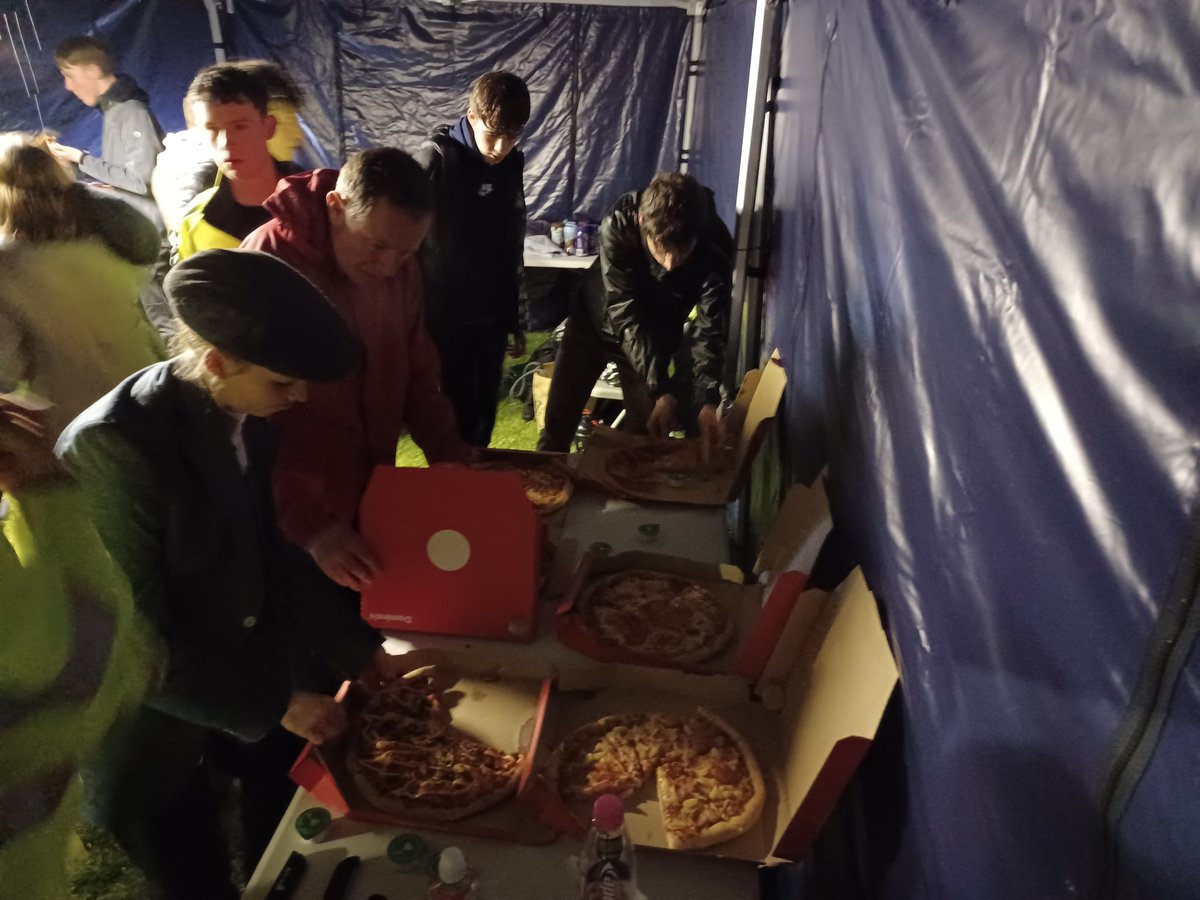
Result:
[598,758]
[710,787]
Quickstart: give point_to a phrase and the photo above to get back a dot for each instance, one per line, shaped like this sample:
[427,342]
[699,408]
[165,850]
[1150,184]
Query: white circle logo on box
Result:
[448,549]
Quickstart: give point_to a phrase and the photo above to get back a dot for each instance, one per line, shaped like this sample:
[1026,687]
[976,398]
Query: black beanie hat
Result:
[260,310]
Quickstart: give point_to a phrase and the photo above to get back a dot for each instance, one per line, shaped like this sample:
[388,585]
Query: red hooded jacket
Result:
[329,445]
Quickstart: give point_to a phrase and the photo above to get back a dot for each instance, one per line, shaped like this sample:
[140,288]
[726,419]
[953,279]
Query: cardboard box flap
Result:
[764,396]
[797,532]
[832,709]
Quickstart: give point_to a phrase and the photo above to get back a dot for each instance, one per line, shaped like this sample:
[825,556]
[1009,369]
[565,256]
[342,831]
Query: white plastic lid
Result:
[452,866]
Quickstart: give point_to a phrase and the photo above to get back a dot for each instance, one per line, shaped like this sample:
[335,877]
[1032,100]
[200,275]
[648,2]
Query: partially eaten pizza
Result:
[668,464]
[708,781]
[656,615]
[547,484]
[407,759]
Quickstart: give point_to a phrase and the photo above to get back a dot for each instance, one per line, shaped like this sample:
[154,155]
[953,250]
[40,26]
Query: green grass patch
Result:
[512,432]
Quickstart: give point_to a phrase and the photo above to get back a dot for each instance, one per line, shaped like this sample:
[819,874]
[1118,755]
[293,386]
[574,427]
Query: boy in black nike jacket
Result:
[473,256]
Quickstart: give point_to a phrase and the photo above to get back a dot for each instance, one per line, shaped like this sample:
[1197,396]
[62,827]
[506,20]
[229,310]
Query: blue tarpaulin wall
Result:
[721,101]
[161,43]
[606,82]
[985,282]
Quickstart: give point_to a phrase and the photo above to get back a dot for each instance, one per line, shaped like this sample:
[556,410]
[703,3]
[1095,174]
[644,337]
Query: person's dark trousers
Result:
[181,848]
[582,356]
[472,366]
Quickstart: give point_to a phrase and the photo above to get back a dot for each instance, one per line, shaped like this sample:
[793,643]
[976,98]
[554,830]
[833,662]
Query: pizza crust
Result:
[398,807]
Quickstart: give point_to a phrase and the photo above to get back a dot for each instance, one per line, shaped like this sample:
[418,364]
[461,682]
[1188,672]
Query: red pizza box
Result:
[461,552]
[744,604]
[746,423]
[505,711]
[809,719]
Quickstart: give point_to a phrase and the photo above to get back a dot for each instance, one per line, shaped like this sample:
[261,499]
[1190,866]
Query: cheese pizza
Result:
[709,784]
[657,615]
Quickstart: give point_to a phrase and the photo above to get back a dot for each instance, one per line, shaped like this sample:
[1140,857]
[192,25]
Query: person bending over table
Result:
[356,233]
[663,252]
[176,462]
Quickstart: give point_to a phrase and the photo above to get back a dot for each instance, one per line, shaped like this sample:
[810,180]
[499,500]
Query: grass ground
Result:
[101,870]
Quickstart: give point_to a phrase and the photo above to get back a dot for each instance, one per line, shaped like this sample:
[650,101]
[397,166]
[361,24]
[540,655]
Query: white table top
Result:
[539,261]
[509,871]
[504,871]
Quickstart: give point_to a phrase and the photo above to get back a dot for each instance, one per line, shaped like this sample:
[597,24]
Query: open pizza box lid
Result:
[810,721]
[742,603]
[504,711]
[747,424]
[447,568]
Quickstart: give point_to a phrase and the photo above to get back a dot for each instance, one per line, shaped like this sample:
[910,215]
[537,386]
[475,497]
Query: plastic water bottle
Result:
[608,869]
[453,878]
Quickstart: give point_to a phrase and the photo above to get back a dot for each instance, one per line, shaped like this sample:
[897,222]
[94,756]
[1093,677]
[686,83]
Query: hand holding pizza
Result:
[314,717]
[344,556]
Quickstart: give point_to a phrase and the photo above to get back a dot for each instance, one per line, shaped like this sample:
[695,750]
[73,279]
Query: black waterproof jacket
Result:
[645,307]
[473,257]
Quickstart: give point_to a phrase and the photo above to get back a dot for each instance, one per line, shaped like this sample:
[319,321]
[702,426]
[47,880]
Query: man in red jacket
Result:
[355,234]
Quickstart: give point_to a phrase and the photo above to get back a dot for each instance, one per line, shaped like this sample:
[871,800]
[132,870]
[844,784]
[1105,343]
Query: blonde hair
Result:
[187,350]
[39,201]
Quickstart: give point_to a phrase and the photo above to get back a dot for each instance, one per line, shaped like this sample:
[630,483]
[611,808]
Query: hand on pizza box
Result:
[345,556]
[662,417]
[314,717]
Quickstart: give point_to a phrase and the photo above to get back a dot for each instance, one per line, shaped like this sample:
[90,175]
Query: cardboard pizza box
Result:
[743,603]
[504,711]
[797,532]
[559,461]
[447,566]
[809,719]
[759,609]
[747,424]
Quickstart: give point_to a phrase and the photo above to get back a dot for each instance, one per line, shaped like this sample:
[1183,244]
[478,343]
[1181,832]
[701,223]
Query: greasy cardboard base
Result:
[505,713]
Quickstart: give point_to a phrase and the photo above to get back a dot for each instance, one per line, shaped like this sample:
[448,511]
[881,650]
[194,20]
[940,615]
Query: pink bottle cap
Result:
[608,812]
